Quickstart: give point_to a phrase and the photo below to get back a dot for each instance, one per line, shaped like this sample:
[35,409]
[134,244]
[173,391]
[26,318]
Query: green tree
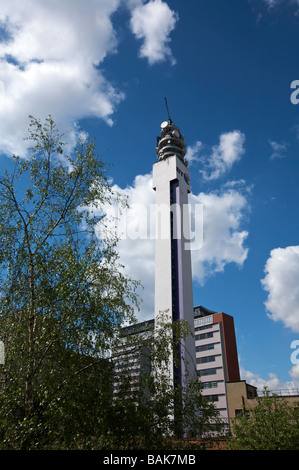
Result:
[62,293]
[272,425]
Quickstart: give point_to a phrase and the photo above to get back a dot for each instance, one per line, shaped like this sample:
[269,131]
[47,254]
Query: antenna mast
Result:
[169,118]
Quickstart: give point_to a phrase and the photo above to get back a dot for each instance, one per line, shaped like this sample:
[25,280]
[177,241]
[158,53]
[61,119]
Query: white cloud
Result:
[275,3]
[136,247]
[294,373]
[223,238]
[49,64]
[279,150]
[282,284]
[273,383]
[50,58]
[192,154]
[224,155]
[55,30]
[152,23]
[272,3]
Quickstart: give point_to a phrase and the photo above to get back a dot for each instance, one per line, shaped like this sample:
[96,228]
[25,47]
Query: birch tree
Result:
[62,292]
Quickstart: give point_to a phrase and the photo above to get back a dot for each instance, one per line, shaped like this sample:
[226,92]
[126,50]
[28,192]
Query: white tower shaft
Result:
[173,276]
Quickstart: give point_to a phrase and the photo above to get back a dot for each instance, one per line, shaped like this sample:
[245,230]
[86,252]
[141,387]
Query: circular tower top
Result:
[171,142]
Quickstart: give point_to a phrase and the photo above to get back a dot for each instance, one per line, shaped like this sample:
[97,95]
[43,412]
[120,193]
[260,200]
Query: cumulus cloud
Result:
[49,58]
[152,23]
[294,373]
[272,3]
[134,226]
[223,238]
[193,151]
[282,284]
[273,383]
[224,155]
[278,150]
[52,54]
[276,3]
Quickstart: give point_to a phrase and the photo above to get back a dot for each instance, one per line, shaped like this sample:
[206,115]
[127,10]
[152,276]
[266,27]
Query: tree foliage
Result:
[272,425]
[62,294]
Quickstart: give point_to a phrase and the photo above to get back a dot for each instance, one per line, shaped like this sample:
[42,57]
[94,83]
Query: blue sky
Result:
[226,69]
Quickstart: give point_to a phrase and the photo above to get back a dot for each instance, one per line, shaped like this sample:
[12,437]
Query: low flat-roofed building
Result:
[242,397]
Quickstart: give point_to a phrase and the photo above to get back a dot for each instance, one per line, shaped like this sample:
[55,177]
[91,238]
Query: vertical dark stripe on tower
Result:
[176,314]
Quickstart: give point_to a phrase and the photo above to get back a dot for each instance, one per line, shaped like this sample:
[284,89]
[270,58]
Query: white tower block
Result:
[173,275]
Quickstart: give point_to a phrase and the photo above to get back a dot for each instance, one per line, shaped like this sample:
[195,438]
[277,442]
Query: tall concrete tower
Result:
[173,275]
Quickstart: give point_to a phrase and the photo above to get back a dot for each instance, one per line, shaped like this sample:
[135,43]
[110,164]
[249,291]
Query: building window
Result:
[205,347]
[202,372]
[199,321]
[210,384]
[204,336]
[202,360]
[200,328]
[241,412]
[211,397]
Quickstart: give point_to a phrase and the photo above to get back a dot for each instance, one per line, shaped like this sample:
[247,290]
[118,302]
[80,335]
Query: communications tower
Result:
[173,273]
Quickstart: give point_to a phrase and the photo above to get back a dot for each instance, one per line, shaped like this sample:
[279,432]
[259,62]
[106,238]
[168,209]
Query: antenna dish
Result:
[164,124]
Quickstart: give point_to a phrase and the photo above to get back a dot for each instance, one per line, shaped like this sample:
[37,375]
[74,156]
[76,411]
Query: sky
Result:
[230,72]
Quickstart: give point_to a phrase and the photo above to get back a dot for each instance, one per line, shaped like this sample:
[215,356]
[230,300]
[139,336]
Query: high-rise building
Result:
[173,275]
[217,364]
[216,355]
[131,357]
